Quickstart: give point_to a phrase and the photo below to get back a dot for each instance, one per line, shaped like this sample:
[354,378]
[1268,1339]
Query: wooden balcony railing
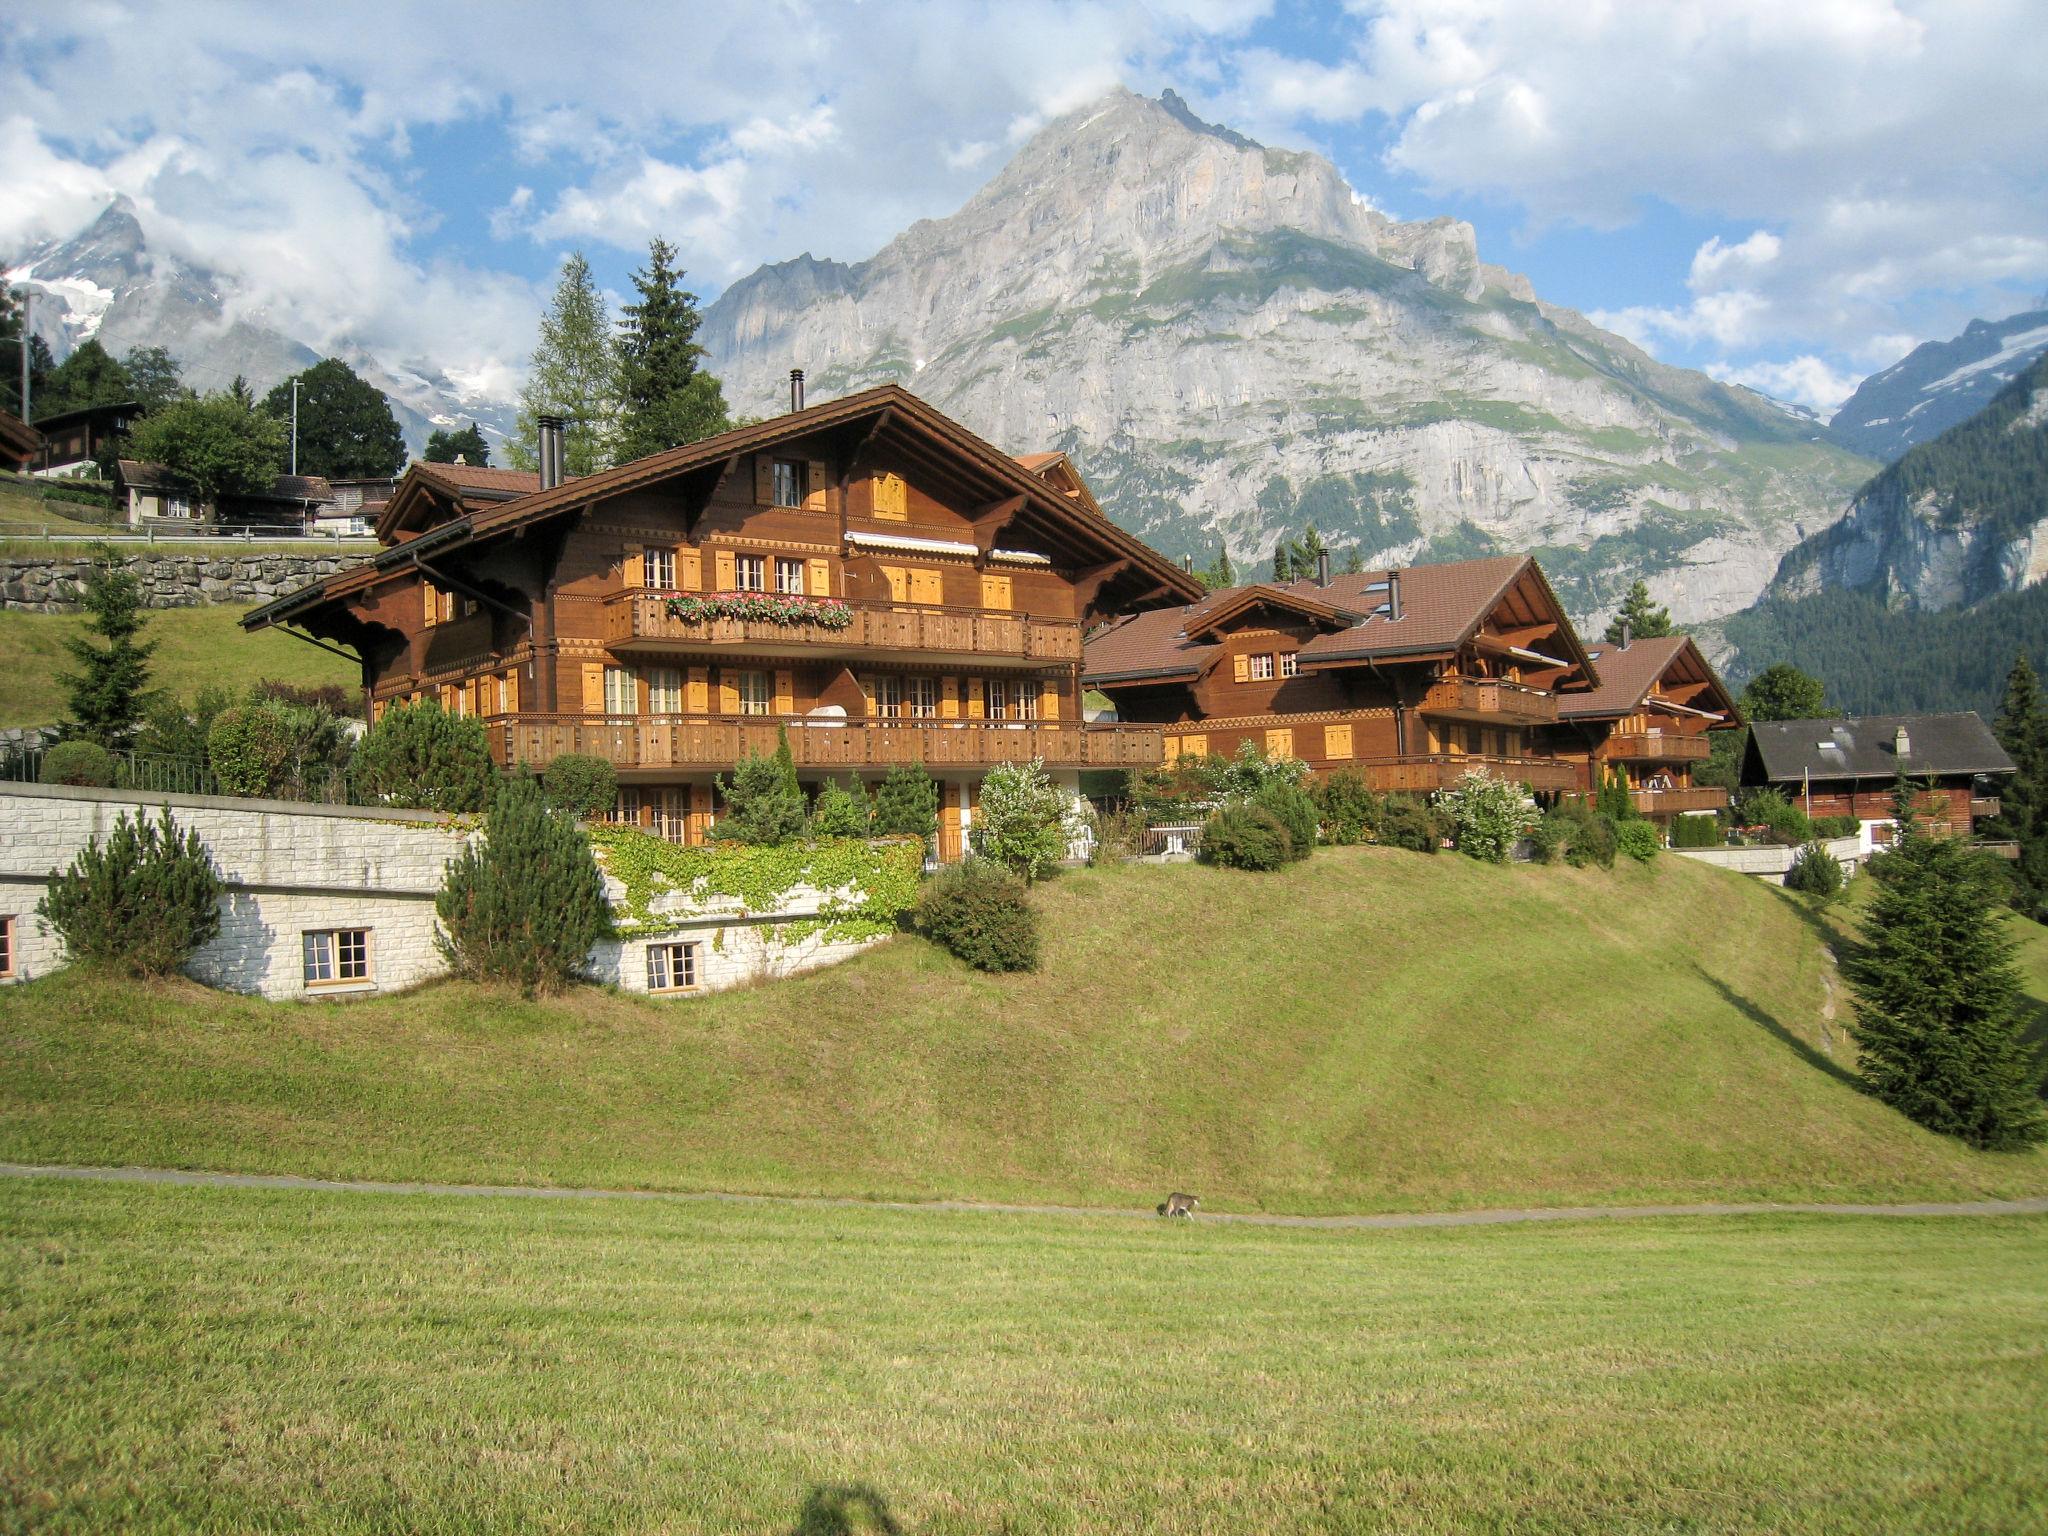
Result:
[1660,747]
[1479,698]
[1425,774]
[1670,802]
[716,742]
[641,620]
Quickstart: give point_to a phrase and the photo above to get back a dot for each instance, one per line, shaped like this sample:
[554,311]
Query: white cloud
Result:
[1805,380]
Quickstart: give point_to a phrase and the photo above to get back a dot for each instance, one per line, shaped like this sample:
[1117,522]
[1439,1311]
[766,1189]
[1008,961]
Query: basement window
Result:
[336,957]
[671,967]
[6,947]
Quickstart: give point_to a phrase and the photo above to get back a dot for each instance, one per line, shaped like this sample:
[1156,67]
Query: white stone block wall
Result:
[1773,862]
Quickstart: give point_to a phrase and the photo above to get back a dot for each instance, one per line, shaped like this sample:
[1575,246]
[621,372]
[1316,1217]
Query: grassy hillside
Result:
[195,646]
[183,1360]
[1369,1030]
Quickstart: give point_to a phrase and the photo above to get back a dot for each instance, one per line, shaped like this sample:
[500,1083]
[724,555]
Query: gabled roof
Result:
[449,490]
[18,436]
[1629,675]
[143,475]
[1234,602]
[1790,750]
[111,408]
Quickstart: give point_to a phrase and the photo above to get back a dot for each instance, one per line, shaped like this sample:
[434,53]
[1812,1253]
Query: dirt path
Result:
[2030,1207]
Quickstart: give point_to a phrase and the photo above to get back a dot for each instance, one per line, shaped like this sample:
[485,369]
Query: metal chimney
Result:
[1187,563]
[1902,744]
[1627,633]
[1393,596]
[550,452]
[796,389]
[1322,567]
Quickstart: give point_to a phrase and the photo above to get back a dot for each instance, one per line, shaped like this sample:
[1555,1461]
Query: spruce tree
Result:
[107,692]
[574,375]
[907,804]
[2022,729]
[1646,620]
[1283,561]
[665,397]
[1938,1024]
[142,902]
[1354,562]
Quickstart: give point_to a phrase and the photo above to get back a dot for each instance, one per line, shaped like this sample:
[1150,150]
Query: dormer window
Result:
[789,483]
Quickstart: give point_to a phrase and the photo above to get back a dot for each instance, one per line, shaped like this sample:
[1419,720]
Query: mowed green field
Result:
[184,1360]
[196,647]
[1371,1030]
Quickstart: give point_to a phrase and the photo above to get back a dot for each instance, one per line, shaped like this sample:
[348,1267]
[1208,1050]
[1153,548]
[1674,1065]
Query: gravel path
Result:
[2030,1207]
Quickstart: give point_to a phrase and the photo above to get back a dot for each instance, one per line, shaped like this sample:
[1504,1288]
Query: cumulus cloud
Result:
[1805,380]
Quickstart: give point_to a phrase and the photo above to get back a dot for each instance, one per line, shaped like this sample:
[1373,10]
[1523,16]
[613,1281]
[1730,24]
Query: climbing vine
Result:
[863,885]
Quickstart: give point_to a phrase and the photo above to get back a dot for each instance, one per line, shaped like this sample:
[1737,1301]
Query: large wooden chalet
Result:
[865,573]
[1648,721]
[1409,676]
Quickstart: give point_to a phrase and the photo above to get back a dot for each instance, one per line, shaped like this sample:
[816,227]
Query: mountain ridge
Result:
[1939,384]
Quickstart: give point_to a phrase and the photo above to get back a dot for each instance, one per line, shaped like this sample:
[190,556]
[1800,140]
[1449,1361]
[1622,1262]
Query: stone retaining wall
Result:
[1772,862]
[51,584]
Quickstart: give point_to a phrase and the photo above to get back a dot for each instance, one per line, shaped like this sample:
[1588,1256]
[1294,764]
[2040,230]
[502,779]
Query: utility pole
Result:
[295,428]
[27,297]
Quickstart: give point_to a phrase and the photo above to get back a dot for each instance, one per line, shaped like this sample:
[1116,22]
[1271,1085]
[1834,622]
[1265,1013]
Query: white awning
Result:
[904,541]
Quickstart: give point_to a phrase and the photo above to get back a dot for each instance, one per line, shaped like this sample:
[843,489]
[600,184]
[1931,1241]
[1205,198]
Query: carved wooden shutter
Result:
[764,480]
[593,687]
[785,693]
[949,698]
[721,562]
[1049,700]
[636,569]
[690,570]
[1280,743]
[818,582]
[1172,750]
[433,601]
[728,691]
[887,497]
[698,699]
[1195,746]
[1336,741]
[817,474]
[976,709]
[925,587]
[899,583]
[1241,668]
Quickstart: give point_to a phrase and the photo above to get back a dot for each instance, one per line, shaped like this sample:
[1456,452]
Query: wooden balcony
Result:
[714,743]
[640,621]
[1659,747]
[1984,805]
[1672,802]
[1421,775]
[1490,701]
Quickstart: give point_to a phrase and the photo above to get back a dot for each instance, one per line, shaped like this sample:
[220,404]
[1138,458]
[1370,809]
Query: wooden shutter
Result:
[433,601]
[512,692]
[899,583]
[949,823]
[976,698]
[697,828]
[995,592]
[728,691]
[593,687]
[764,480]
[1336,741]
[817,474]
[1280,743]
[1049,700]
[925,587]
[785,693]
[818,581]
[1172,750]
[722,574]
[887,498]
[697,700]
[689,570]
[636,568]
[1241,668]
[949,698]
[1195,746]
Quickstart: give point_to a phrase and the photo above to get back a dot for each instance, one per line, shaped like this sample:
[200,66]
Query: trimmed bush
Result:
[982,914]
[581,785]
[1021,821]
[1290,805]
[1825,827]
[1815,872]
[1346,807]
[78,762]
[762,805]
[1488,815]
[1696,832]
[275,748]
[525,908]
[907,804]
[1637,838]
[141,904]
[1578,834]
[1405,822]
[419,757]
[841,811]
[1244,835]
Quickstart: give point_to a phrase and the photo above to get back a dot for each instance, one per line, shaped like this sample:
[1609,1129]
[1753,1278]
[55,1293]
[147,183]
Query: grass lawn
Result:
[183,1360]
[195,646]
[1369,1030]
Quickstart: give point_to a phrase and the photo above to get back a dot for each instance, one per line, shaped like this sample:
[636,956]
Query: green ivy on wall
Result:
[864,884]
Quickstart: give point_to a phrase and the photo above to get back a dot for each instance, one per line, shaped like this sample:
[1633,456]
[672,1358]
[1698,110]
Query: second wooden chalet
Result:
[1648,720]
[1409,676]
[865,574]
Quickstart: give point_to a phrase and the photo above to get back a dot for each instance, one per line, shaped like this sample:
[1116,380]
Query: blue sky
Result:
[1786,195]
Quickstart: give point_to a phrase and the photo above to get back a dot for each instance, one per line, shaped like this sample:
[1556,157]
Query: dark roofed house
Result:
[151,493]
[1648,720]
[1849,767]
[1409,676]
[72,439]
[19,443]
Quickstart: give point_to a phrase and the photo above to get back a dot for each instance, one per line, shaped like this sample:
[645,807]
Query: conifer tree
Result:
[142,902]
[763,803]
[1354,562]
[907,804]
[665,397]
[107,692]
[2022,729]
[1938,1027]
[574,375]
[1226,576]
[1646,620]
[469,445]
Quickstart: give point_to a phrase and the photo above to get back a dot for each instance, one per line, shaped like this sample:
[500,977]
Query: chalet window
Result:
[1024,699]
[923,697]
[621,692]
[658,569]
[664,691]
[789,483]
[671,967]
[887,693]
[789,577]
[890,499]
[624,811]
[1262,668]
[995,698]
[1290,664]
[749,573]
[6,946]
[668,813]
[176,505]
[335,956]
[756,693]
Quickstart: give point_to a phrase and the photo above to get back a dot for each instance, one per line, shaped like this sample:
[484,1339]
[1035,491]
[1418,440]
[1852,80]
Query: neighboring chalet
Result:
[1849,767]
[1648,720]
[865,572]
[72,440]
[1409,676]
[152,493]
[19,444]
[357,505]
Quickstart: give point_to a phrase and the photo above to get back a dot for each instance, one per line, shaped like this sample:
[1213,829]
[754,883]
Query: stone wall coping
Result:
[150,801]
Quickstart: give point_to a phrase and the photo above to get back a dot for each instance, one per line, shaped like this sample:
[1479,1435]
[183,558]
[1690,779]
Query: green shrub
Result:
[78,762]
[1290,805]
[1597,841]
[1815,872]
[1244,835]
[762,806]
[1770,809]
[581,785]
[982,914]
[1488,815]
[525,908]
[1638,839]
[841,811]
[907,804]
[1576,833]
[1696,832]
[1346,807]
[143,903]
[1021,821]
[1825,827]
[1405,822]
[270,747]
[1612,798]
[419,757]
[1118,835]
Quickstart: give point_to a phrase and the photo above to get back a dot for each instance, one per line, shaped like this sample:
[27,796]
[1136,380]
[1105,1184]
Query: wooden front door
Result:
[951,844]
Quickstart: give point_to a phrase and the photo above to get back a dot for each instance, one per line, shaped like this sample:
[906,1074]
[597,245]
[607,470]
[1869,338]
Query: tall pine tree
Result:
[106,693]
[574,375]
[665,397]
[1646,620]
[2022,729]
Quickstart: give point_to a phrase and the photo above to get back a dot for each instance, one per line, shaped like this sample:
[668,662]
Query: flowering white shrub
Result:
[1488,815]
[1021,822]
